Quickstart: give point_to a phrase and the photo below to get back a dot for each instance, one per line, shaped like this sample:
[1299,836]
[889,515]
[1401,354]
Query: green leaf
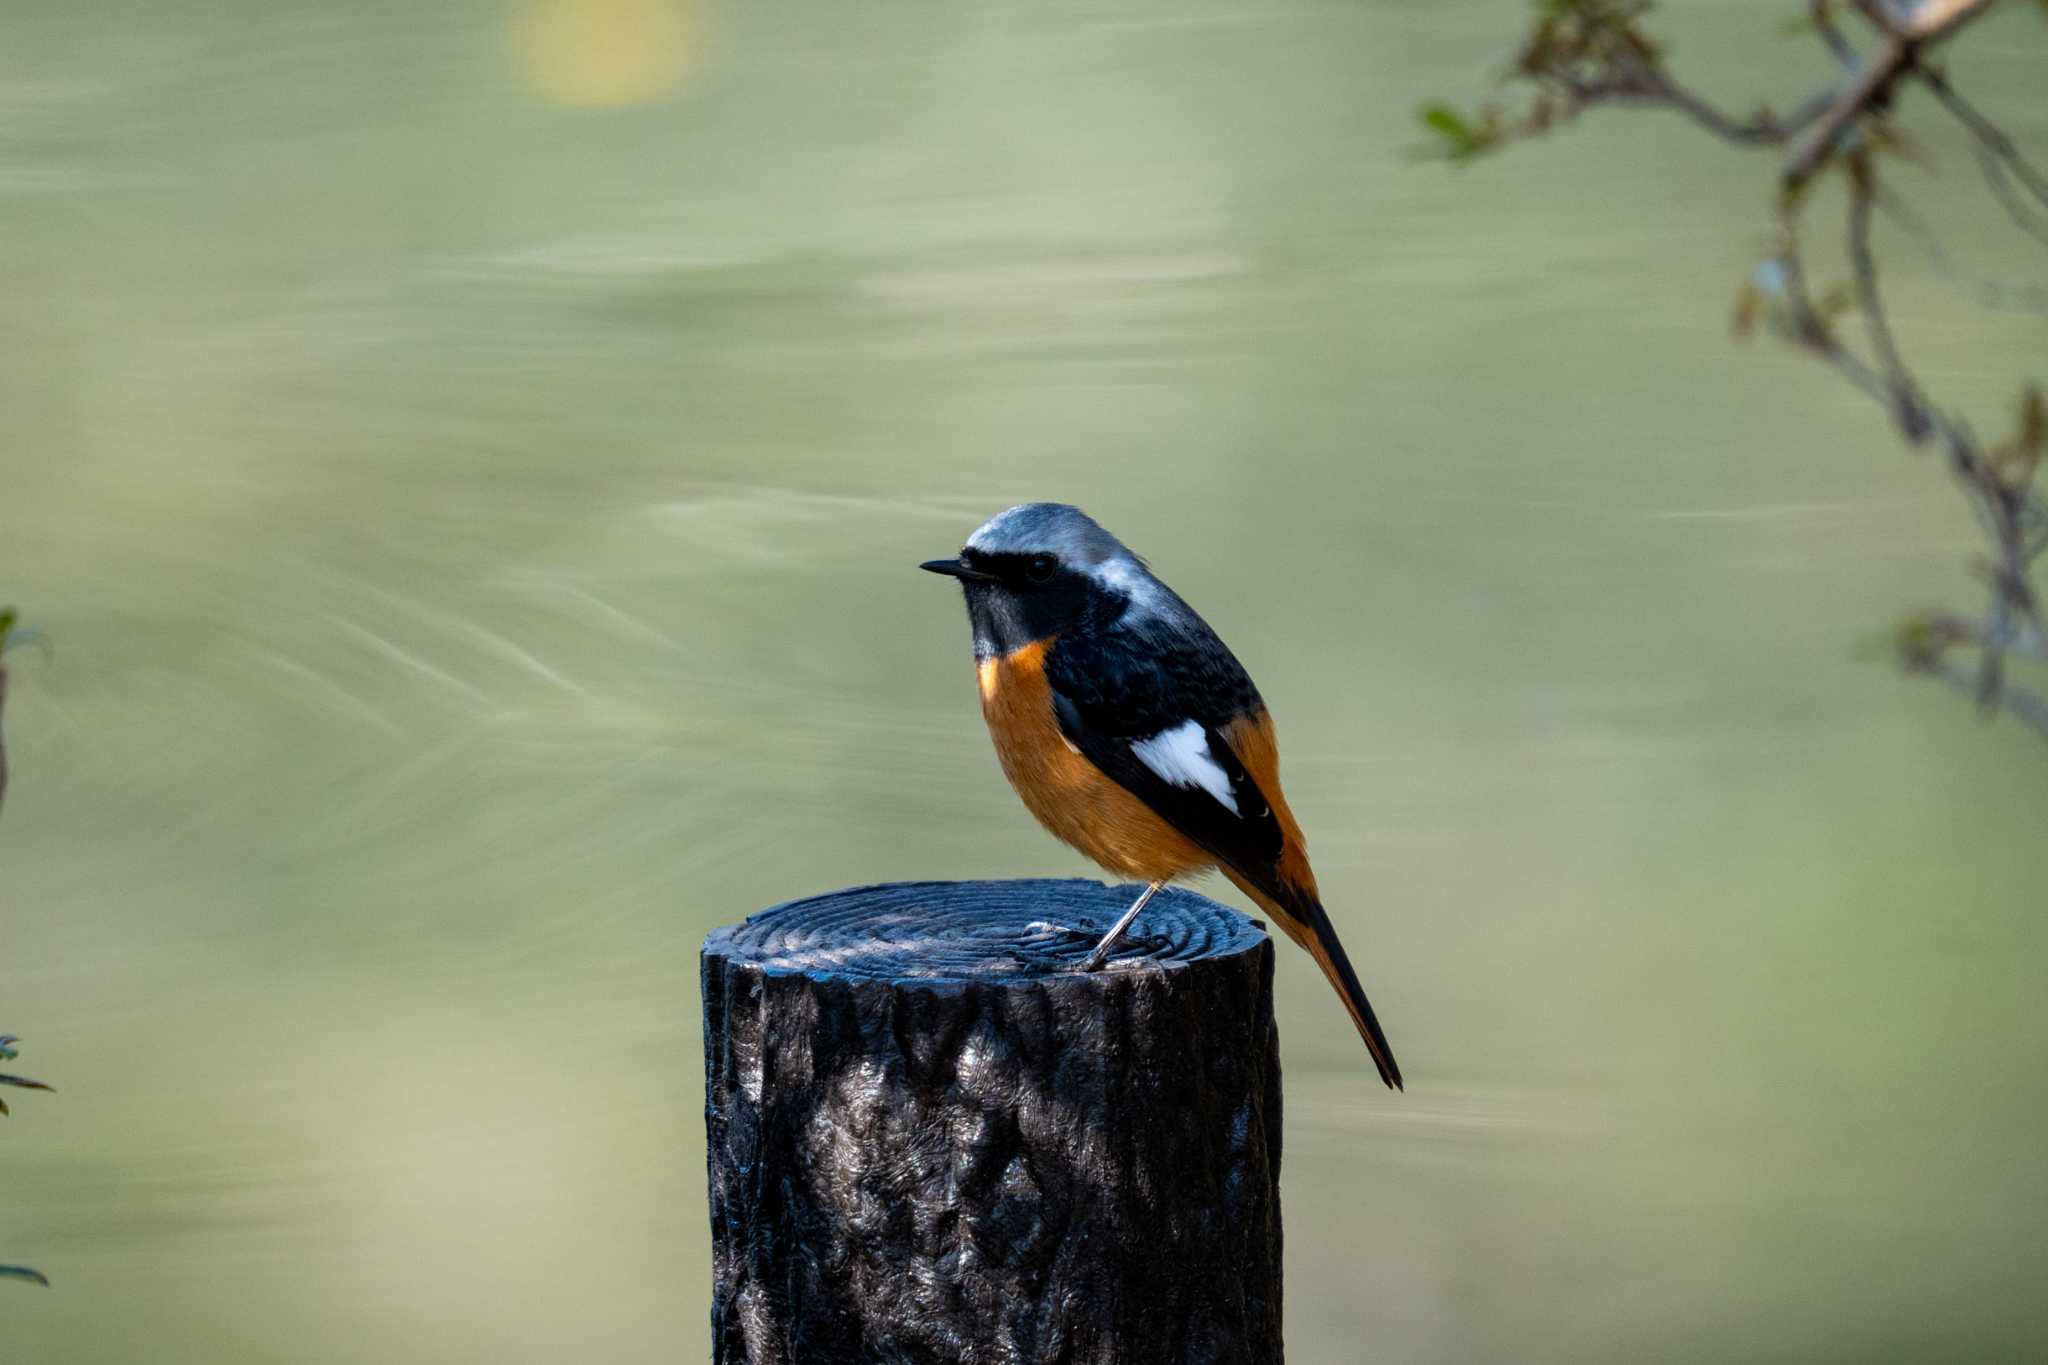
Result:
[24,1083]
[1922,638]
[1446,120]
[1459,138]
[22,1272]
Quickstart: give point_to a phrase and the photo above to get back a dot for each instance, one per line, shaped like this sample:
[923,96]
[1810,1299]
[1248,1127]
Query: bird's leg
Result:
[1116,931]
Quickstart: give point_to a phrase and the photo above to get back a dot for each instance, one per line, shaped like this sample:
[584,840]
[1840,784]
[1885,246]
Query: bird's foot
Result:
[1044,935]
[1062,945]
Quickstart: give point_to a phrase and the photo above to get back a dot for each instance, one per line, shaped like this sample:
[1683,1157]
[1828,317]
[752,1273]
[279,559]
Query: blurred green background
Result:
[472,459]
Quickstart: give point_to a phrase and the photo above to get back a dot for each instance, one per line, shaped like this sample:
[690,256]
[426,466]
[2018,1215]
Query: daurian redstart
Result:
[1132,732]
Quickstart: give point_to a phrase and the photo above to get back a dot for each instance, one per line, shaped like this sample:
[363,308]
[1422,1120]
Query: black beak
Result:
[953,568]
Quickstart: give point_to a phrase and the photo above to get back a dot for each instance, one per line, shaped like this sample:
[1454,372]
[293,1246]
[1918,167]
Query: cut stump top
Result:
[983,931]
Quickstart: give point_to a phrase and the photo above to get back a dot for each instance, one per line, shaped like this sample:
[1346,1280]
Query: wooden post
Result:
[932,1139]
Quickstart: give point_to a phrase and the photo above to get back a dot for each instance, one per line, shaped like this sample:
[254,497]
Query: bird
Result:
[1132,732]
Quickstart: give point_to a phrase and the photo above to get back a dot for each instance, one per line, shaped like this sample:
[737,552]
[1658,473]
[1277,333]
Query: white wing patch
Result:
[1181,756]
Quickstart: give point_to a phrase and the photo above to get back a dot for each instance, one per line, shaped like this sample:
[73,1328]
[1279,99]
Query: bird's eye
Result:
[1040,568]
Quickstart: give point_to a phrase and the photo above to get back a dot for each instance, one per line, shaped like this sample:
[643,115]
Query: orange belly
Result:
[1071,796]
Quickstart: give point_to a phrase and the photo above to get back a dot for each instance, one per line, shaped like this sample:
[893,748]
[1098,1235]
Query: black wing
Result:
[1129,685]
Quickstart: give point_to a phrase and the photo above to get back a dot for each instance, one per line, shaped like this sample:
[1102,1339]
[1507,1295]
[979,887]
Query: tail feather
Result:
[1307,924]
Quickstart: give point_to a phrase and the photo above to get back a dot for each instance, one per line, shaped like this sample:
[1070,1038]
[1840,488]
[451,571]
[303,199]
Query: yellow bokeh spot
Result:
[604,54]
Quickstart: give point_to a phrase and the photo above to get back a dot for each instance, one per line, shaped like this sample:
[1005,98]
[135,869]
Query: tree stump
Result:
[932,1139]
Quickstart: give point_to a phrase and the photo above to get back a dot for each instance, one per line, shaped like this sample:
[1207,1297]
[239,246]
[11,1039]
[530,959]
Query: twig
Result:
[1997,157]
[1925,22]
[1990,134]
[1998,295]
[1951,629]
[1871,88]
[1640,84]
[1830,36]
[1811,329]
[2021,703]
[1907,407]
[1998,175]
[2004,511]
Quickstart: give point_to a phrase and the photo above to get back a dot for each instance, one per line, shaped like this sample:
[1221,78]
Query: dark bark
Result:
[933,1140]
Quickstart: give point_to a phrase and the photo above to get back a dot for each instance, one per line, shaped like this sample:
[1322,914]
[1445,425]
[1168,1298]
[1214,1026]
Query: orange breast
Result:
[1071,796]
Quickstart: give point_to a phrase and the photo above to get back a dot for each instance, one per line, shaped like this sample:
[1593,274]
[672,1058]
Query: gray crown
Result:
[1047,528]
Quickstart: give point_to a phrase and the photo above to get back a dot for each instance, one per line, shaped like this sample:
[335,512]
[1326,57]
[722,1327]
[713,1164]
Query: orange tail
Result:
[1309,926]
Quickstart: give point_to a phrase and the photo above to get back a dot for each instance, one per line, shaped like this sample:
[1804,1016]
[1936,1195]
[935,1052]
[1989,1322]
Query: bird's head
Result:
[1039,569]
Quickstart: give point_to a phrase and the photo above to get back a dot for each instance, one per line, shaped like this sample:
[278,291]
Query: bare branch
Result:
[1990,134]
[1831,37]
[1998,176]
[2021,703]
[2001,509]
[1810,328]
[1944,629]
[1908,409]
[1999,158]
[1761,126]
[1922,23]
[1871,88]
[1590,52]
[1646,85]
[1994,294]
